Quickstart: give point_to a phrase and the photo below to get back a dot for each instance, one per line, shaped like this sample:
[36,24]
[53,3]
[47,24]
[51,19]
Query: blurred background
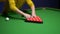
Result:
[39,3]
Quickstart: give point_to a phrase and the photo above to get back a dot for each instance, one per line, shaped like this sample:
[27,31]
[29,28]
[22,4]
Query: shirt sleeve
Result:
[30,3]
[12,5]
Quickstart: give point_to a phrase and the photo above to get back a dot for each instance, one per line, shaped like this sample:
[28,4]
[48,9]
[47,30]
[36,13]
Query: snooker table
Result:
[17,25]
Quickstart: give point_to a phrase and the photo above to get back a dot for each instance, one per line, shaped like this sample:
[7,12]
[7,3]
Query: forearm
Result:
[31,4]
[17,10]
[33,9]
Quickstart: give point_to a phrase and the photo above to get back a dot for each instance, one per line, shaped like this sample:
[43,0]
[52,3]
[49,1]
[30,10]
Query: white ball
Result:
[7,18]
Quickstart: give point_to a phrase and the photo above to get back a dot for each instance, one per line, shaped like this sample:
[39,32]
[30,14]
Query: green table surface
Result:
[17,25]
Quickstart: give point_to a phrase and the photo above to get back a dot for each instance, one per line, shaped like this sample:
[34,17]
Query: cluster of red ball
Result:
[34,19]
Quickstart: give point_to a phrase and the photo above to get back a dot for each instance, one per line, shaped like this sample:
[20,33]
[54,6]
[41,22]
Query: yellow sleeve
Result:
[12,5]
[30,3]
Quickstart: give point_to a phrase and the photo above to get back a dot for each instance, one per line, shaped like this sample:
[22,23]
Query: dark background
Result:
[39,3]
[45,3]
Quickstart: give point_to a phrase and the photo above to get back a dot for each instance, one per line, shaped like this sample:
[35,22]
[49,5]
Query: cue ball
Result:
[7,18]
